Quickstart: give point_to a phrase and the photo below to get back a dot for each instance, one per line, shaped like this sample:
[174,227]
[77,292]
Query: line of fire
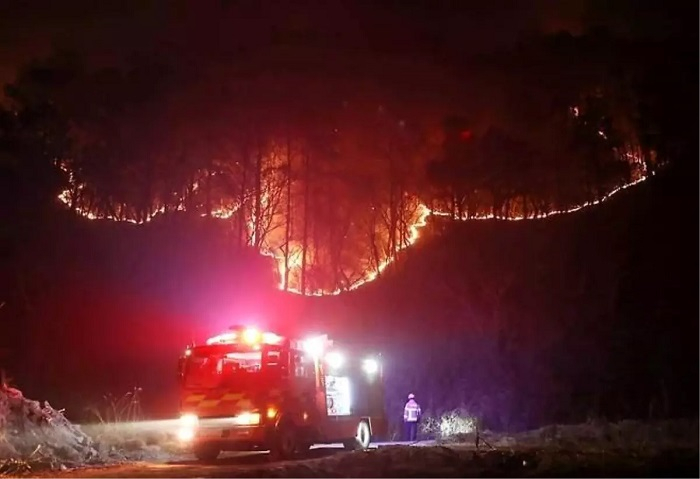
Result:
[327,248]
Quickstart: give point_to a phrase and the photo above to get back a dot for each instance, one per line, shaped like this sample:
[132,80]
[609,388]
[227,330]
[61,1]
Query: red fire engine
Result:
[251,390]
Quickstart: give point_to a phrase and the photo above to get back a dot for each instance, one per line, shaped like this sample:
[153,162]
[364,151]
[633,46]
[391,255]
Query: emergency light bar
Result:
[251,336]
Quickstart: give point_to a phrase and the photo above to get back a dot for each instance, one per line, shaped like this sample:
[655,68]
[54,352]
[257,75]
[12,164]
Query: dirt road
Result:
[429,461]
[244,464]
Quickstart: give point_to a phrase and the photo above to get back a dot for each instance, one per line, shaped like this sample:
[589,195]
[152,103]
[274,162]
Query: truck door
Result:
[302,368]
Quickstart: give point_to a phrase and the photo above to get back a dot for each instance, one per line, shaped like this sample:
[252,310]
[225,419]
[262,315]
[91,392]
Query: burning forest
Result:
[335,188]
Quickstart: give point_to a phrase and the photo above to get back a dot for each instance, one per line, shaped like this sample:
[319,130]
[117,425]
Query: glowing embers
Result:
[224,212]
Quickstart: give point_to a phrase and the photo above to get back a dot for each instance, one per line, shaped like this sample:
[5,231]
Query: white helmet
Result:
[411,396]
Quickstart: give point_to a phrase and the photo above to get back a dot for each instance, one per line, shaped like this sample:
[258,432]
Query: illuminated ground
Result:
[453,460]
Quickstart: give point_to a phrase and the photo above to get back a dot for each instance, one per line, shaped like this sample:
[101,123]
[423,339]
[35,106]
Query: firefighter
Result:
[411,416]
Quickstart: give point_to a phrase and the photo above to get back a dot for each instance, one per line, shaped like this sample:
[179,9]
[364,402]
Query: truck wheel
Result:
[303,448]
[206,452]
[361,439]
[363,435]
[284,443]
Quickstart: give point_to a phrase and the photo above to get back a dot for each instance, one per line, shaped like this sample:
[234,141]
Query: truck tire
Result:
[364,436]
[361,440]
[206,452]
[303,448]
[285,443]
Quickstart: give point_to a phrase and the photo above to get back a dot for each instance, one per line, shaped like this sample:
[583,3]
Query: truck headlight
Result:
[370,366]
[247,419]
[334,359]
[314,346]
[188,426]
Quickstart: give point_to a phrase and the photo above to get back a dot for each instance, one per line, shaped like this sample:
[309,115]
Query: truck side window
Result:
[296,365]
[277,360]
[303,366]
[273,359]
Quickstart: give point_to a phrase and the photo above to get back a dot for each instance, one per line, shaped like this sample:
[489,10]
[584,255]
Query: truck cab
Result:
[246,389]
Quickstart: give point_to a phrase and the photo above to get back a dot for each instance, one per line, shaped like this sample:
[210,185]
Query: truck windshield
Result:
[228,369]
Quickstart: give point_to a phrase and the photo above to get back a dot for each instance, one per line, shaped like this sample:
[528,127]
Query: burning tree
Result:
[327,181]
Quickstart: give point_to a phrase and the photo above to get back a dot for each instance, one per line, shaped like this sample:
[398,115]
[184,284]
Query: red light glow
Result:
[465,135]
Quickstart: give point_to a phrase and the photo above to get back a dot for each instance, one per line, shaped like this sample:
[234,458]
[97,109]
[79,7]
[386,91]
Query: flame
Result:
[69,195]
[420,220]
[548,214]
[413,235]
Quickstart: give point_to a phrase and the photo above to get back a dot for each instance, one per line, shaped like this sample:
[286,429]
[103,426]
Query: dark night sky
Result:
[218,29]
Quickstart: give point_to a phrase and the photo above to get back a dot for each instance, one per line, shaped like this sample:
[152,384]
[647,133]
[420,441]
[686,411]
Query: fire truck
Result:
[247,389]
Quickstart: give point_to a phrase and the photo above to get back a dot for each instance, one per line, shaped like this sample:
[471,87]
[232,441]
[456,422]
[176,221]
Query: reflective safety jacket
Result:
[411,412]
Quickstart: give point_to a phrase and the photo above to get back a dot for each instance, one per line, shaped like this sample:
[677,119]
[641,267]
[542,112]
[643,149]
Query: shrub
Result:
[126,408]
[449,424]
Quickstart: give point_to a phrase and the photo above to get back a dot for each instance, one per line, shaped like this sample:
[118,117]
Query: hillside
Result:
[523,308]
[551,320]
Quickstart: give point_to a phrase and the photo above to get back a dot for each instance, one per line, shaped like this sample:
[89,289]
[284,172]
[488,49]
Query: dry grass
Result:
[451,424]
[34,436]
[119,409]
[625,448]
[134,441]
[596,449]
[590,436]
[459,426]
[120,431]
